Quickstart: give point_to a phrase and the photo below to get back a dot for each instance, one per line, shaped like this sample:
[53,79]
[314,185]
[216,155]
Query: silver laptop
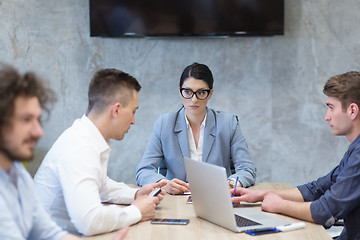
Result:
[212,200]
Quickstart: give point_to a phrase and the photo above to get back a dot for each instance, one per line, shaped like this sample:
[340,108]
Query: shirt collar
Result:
[4,176]
[95,133]
[11,175]
[202,123]
[355,143]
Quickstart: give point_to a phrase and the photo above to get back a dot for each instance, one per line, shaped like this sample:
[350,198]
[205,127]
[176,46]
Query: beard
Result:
[15,154]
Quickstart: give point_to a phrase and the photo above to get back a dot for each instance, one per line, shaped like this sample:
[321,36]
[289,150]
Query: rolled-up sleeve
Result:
[336,194]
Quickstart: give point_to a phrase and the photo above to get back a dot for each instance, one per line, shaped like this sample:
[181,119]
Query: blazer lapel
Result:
[180,130]
[209,134]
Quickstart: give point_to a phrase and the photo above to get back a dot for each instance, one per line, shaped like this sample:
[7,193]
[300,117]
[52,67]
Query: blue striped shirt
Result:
[22,215]
[337,194]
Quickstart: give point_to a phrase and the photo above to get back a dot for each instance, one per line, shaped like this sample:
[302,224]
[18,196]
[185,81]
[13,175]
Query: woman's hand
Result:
[176,186]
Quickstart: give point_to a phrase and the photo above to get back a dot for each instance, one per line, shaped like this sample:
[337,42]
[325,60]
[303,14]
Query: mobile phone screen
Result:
[261,231]
[169,221]
[154,193]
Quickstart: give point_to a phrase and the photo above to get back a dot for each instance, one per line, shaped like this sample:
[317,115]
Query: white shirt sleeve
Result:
[83,181]
[117,192]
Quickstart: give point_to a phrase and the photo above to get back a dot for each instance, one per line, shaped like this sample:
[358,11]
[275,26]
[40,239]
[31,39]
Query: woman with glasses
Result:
[197,132]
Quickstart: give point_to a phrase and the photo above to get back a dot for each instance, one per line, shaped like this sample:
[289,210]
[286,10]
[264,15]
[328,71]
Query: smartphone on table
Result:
[262,231]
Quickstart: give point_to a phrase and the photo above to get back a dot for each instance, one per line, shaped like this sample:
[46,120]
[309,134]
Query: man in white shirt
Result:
[22,98]
[72,180]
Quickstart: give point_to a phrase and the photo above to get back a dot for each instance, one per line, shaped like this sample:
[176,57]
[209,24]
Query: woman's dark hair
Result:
[197,71]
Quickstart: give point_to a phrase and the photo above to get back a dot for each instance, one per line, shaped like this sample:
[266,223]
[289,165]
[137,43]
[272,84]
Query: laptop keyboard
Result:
[244,222]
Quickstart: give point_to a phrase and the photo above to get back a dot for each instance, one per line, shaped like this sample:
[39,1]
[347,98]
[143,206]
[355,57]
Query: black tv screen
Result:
[166,18]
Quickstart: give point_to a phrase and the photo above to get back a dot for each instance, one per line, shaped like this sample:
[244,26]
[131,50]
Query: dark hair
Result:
[13,85]
[345,87]
[197,71]
[110,85]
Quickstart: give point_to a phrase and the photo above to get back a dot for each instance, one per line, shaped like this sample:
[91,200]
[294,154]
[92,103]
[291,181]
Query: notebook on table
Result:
[212,200]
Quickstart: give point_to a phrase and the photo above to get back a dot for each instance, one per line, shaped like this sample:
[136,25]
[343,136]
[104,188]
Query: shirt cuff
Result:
[134,191]
[160,180]
[134,213]
[318,208]
[305,192]
[321,214]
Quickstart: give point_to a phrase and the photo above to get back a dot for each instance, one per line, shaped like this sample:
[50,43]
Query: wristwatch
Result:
[232,181]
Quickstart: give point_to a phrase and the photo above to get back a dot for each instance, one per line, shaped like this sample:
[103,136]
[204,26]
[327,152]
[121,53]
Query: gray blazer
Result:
[169,144]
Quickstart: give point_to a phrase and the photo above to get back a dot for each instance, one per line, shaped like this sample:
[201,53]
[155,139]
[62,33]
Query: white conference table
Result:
[175,206]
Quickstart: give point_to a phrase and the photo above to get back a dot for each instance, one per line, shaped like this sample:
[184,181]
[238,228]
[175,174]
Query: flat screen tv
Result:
[175,18]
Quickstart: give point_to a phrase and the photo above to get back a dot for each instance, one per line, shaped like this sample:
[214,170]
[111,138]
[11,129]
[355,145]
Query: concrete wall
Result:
[274,84]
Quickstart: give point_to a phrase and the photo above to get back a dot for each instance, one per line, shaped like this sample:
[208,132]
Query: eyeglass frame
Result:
[192,95]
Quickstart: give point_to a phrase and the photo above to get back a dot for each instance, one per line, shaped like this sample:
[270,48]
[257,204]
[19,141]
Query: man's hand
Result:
[247,195]
[148,188]
[279,204]
[272,202]
[176,186]
[146,206]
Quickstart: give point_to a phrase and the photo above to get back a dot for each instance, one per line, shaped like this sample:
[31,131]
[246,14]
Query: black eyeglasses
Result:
[201,94]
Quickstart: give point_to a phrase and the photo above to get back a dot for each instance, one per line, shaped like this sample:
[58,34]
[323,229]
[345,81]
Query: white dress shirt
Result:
[195,152]
[72,183]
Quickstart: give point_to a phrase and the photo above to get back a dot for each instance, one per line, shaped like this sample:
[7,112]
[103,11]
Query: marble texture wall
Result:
[273,84]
